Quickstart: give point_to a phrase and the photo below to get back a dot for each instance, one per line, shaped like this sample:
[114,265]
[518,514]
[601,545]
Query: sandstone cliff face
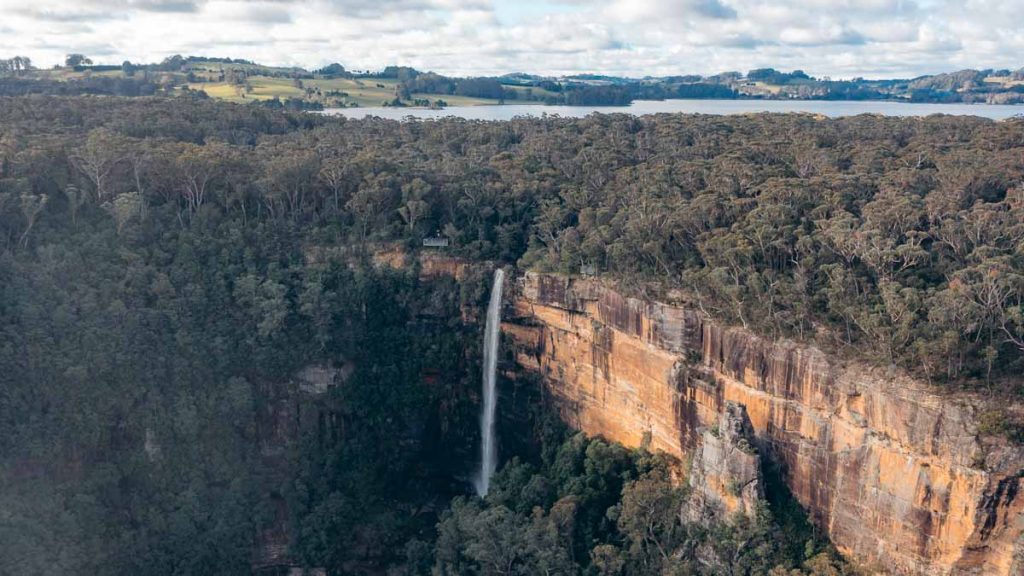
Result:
[893,471]
[725,478]
[432,264]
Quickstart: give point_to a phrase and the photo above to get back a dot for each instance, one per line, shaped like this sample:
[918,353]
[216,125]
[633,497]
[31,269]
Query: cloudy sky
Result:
[837,38]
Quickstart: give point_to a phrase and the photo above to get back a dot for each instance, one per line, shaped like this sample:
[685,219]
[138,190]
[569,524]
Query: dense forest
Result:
[897,238]
[159,288]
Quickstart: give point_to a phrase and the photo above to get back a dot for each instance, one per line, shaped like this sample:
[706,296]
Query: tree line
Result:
[897,239]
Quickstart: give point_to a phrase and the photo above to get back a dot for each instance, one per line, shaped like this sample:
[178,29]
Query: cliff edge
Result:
[894,471]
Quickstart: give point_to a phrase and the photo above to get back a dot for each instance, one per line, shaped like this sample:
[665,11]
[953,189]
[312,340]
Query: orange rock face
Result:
[891,469]
[433,264]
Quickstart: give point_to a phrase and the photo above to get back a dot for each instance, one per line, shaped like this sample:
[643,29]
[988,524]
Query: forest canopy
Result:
[899,239]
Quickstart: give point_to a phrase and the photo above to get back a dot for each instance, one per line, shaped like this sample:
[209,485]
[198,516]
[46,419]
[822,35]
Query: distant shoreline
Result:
[738,98]
[829,108]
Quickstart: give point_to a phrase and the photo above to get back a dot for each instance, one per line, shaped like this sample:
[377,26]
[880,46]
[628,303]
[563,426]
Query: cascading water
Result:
[492,331]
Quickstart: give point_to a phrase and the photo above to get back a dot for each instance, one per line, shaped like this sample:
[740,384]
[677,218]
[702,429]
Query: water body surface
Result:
[641,107]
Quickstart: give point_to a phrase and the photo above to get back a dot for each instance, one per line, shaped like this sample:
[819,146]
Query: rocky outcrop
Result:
[432,263]
[894,471]
[725,478]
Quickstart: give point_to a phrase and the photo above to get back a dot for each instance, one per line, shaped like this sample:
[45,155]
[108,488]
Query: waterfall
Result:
[492,332]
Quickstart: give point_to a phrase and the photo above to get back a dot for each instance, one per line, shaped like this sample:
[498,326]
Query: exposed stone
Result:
[890,468]
[725,478]
[317,379]
[433,263]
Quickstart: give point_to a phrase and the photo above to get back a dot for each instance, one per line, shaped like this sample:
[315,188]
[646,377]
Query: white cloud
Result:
[840,38]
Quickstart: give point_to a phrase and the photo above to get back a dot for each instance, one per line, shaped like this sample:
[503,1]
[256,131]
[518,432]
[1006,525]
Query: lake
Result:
[641,107]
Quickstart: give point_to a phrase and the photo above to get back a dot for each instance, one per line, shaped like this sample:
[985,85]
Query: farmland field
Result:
[241,83]
[360,92]
[263,88]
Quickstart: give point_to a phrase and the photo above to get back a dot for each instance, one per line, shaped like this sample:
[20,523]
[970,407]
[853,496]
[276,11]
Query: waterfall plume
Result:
[492,332]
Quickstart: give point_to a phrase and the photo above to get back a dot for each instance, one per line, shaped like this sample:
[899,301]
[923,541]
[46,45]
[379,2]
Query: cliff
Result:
[725,478]
[891,469]
[432,263]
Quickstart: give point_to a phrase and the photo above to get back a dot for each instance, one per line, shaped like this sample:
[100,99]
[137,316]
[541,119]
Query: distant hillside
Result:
[335,86]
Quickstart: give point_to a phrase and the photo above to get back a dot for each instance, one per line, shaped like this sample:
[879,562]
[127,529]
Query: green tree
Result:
[73,60]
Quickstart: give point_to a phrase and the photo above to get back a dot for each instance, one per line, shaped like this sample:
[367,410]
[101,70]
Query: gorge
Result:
[895,472]
[235,340]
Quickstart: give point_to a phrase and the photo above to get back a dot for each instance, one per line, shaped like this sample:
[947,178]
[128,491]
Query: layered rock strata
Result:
[892,470]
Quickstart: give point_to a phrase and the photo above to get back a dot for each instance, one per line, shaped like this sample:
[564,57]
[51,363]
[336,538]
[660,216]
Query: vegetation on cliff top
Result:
[899,239]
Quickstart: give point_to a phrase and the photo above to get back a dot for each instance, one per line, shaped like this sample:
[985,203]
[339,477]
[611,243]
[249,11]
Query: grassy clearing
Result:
[375,91]
[360,91]
[262,88]
[1004,81]
[265,88]
[220,90]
